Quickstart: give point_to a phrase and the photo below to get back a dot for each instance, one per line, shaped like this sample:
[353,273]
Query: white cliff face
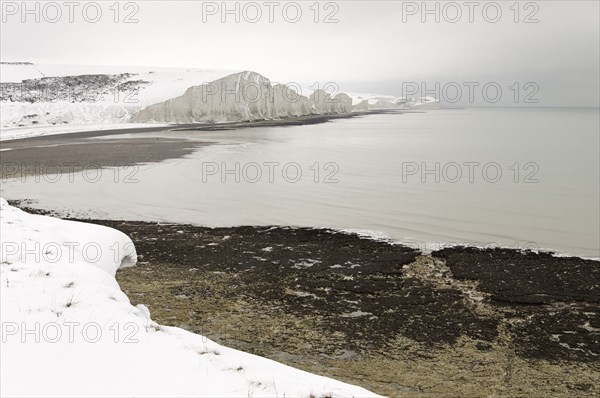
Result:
[61,98]
[365,102]
[237,97]
[244,96]
[361,106]
[288,103]
[344,102]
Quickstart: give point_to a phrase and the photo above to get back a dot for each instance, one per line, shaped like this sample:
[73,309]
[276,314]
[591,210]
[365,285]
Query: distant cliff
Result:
[242,96]
[40,95]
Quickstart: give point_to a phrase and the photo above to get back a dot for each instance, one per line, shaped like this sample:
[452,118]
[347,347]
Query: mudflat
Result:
[461,321]
[65,153]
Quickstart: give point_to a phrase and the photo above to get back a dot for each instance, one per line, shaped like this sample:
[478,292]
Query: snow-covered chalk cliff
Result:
[38,99]
[243,96]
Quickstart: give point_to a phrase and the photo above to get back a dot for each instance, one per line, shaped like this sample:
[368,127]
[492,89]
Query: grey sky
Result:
[369,49]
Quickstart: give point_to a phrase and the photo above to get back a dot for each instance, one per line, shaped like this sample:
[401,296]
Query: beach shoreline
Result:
[17,143]
[74,152]
[460,321]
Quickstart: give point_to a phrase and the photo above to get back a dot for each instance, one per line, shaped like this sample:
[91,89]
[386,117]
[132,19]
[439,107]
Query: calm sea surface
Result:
[510,177]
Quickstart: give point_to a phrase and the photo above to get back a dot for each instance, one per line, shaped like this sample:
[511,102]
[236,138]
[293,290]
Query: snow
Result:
[112,108]
[166,82]
[58,287]
[377,101]
[357,98]
[355,314]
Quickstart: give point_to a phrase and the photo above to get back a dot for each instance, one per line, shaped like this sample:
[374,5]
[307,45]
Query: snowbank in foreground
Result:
[69,330]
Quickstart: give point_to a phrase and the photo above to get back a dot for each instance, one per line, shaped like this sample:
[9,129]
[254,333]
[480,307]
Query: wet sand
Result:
[292,121]
[460,322]
[80,151]
[75,154]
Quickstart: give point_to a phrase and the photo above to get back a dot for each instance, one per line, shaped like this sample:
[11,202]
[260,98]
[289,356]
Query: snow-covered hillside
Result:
[68,330]
[164,83]
[35,95]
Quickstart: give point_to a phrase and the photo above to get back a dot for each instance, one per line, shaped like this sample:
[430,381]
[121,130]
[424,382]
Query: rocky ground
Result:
[460,322]
[84,88]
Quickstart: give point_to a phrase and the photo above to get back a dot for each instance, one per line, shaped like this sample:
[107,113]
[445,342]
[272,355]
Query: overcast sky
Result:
[374,46]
